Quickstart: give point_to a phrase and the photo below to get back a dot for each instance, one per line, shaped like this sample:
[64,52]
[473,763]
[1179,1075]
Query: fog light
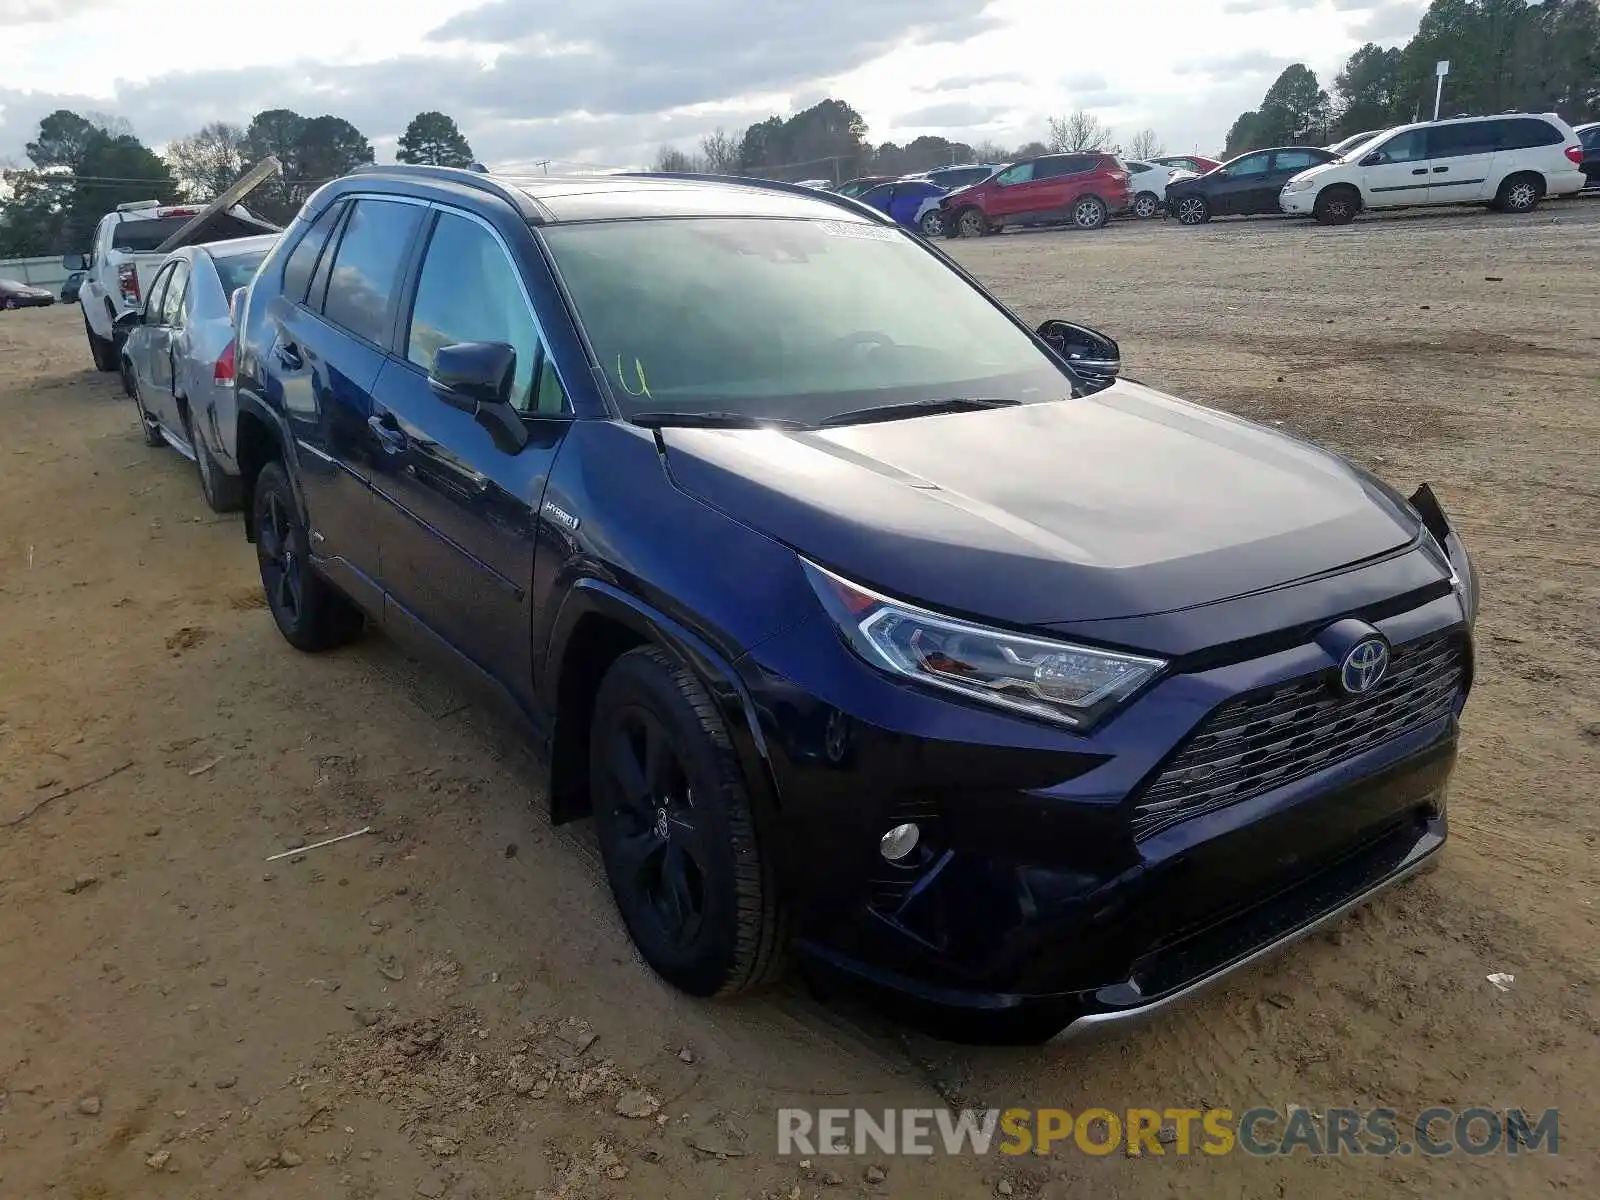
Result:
[899,841]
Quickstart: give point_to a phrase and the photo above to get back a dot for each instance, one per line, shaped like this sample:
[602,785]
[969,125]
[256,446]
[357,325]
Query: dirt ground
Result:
[410,1012]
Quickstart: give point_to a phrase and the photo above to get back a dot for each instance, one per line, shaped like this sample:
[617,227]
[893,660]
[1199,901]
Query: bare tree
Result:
[670,158]
[992,152]
[209,159]
[1082,131]
[1145,144]
[720,152]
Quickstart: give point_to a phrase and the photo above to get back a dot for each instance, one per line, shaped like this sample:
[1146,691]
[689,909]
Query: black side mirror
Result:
[125,322]
[75,262]
[477,377]
[1088,352]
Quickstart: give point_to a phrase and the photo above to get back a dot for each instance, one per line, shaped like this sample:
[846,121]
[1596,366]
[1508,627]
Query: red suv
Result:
[1053,189]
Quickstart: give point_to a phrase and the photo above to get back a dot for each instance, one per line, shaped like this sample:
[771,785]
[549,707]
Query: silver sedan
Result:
[177,361]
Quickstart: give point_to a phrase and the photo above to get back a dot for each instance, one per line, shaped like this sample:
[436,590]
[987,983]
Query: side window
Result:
[1021,173]
[1410,146]
[366,263]
[177,289]
[1454,141]
[878,195]
[469,291]
[1250,164]
[1523,133]
[1138,168]
[303,258]
[1294,160]
[158,289]
[1590,138]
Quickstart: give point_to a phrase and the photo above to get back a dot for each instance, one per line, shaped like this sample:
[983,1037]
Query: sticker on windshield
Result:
[857,229]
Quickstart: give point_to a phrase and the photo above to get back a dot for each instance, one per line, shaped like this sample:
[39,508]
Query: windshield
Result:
[1348,147]
[786,319]
[237,270]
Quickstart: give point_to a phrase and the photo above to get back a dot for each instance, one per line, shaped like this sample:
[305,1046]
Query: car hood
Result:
[1123,504]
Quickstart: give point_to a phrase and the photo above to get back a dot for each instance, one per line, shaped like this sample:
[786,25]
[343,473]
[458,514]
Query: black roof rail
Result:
[773,185]
[473,177]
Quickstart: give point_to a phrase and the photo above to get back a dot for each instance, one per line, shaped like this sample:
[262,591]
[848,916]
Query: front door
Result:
[1398,171]
[458,510]
[329,349]
[1018,189]
[1459,160]
[1242,184]
[1286,164]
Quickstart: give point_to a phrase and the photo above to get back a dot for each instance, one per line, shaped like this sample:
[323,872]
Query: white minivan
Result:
[1507,161]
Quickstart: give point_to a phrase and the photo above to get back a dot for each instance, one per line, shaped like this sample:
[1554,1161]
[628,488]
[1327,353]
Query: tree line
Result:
[1504,55]
[84,165]
[829,140]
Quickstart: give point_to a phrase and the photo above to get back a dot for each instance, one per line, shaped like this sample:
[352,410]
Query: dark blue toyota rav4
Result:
[869,624]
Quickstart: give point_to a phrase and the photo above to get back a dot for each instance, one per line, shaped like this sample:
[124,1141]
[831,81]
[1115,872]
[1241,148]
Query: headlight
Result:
[1298,185]
[1040,677]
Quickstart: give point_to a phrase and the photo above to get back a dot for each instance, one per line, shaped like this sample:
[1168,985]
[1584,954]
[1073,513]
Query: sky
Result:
[607,82]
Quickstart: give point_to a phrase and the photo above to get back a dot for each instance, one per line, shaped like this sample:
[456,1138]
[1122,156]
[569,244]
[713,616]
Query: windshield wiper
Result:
[714,420]
[915,408]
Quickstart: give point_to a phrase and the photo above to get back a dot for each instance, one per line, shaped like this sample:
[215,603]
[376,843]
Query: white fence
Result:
[42,272]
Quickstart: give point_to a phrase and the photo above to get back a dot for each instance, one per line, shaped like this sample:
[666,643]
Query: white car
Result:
[1147,186]
[1509,162]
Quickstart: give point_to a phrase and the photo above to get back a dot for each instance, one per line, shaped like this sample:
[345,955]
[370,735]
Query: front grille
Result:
[1265,739]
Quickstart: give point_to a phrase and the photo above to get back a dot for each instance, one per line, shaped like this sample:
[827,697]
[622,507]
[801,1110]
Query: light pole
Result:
[1440,70]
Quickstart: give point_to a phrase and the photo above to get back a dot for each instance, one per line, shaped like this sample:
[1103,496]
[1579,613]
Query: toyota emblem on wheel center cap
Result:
[1364,666]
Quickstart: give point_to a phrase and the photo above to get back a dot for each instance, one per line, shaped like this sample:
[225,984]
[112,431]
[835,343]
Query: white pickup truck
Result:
[131,243]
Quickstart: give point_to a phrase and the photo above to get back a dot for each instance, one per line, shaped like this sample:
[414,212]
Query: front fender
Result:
[251,459]
[590,597]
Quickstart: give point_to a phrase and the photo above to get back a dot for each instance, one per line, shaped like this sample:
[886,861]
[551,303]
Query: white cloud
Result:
[607,80]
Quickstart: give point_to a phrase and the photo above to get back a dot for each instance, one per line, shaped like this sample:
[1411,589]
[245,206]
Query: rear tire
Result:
[677,830]
[1146,205]
[1090,212]
[223,493]
[1336,206]
[1519,193]
[310,614]
[102,350]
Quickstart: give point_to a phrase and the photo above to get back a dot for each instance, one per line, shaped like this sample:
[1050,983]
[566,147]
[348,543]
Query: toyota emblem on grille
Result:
[1363,667]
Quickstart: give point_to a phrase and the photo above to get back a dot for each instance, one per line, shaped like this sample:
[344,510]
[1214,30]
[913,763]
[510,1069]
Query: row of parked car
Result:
[1509,161]
[788,582]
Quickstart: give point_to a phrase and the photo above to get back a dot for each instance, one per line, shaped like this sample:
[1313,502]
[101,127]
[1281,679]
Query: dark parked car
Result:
[1053,189]
[69,289]
[1589,139]
[965,175]
[861,621]
[1243,186]
[913,203]
[16,294]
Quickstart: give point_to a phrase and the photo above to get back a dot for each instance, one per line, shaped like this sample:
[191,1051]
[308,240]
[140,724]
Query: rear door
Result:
[1396,171]
[159,400]
[1461,160]
[1237,188]
[327,350]
[457,510]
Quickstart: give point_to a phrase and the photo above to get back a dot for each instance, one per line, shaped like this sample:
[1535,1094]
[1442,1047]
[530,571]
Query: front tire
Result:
[970,223]
[1519,194]
[932,223]
[147,427]
[102,350]
[1335,206]
[1090,212]
[1146,205]
[677,830]
[1192,210]
[311,615]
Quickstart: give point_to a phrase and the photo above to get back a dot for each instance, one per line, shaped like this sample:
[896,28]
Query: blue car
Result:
[912,203]
[872,628]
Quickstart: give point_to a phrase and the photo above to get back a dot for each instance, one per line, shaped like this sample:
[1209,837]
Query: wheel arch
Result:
[261,436]
[596,624]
